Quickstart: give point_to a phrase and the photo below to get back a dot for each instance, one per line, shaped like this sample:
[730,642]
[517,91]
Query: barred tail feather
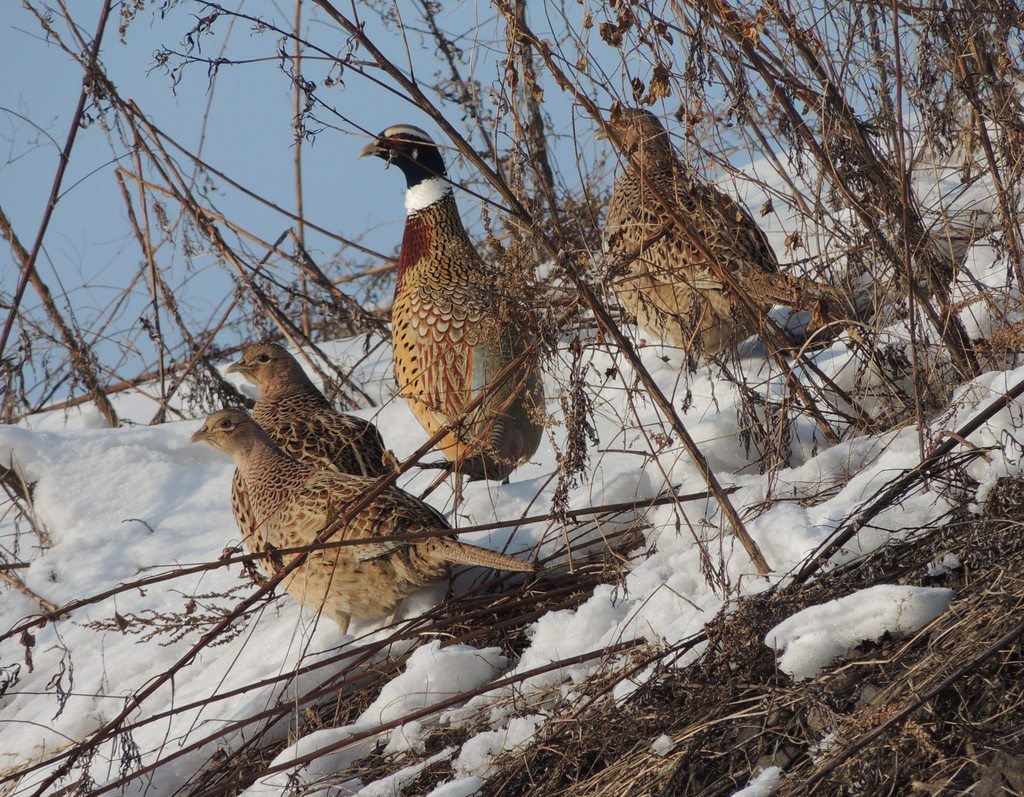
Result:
[461,553]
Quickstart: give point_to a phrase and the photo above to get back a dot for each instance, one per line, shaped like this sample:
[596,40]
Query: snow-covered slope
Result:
[127,506]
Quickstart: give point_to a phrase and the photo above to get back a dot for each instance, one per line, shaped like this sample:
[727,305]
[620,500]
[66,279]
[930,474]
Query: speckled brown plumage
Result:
[452,333]
[293,501]
[299,418]
[669,287]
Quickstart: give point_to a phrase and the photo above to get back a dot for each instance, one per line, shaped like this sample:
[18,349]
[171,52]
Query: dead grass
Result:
[941,713]
[493,614]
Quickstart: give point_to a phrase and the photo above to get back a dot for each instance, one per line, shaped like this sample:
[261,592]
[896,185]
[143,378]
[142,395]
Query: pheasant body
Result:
[671,287]
[452,331]
[294,502]
[302,422]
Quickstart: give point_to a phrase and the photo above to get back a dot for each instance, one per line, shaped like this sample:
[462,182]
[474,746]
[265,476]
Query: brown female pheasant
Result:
[452,332]
[670,287]
[300,419]
[294,501]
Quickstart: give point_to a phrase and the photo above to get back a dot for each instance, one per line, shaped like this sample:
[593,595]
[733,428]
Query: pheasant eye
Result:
[263,358]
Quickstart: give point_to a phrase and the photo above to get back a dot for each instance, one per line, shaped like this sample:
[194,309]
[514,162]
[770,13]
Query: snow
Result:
[813,637]
[432,673]
[140,502]
[946,564]
[392,785]
[761,785]
[478,753]
[464,787]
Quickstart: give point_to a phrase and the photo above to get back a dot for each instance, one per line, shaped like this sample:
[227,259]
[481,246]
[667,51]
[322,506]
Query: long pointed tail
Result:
[461,553]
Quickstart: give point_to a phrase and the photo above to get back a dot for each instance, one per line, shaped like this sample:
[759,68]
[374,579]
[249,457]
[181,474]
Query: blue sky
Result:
[89,254]
[240,121]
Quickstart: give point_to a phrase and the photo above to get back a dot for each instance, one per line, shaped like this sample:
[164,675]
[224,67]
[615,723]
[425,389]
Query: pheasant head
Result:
[230,431]
[642,135]
[419,158]
[271,368]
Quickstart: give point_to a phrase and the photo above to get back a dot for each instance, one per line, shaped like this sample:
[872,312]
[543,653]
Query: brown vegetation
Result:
[857,108]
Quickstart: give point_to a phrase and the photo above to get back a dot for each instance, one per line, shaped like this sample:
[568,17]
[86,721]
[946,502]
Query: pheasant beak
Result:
[375,148]
[240,367]
[201,435]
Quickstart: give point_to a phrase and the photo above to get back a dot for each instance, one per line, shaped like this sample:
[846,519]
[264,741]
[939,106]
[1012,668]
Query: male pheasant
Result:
[300,419]
[670,287]
[294,501]
[452,332]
